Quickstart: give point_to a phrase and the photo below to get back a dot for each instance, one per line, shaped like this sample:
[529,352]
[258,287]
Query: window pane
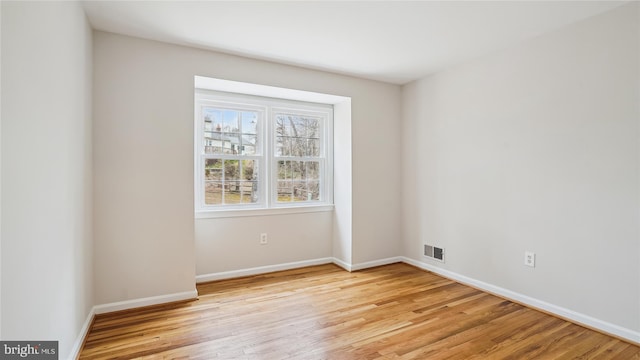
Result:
[297,170]
[213,193]
[230,143]
[283,170]
[232,192]
[249,185]
[249,170]
[313,128]
[313,190]
[249,192]
[282,125]
[298,146]
[212,144]
[249,122]
[212,127]
[230,121]
[249,143]
[283,146]
[231,170]
[284,190]
[299,191]
[212,119]
[213,169]
[313,147]
[297,126]
[312,170]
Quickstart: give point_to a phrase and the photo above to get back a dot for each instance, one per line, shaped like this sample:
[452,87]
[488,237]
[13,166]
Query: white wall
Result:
[46,172]
[535,148]
[144,219]
[376,170]
[226,244]
[342,236]
[143,181]
[0,172]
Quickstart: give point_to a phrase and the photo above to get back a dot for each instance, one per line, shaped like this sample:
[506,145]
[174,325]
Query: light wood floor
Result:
[323,312]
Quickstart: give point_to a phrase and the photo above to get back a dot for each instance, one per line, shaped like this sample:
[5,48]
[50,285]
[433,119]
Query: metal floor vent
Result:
[434,252]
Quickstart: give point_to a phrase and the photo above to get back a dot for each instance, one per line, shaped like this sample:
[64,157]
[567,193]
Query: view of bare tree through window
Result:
[297,138]
[232,179]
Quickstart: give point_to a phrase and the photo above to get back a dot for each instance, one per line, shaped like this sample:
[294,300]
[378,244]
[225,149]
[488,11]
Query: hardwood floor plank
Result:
[322,312]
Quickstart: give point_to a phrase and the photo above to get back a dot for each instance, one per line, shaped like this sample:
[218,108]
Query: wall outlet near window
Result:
[263,238]
[530,258]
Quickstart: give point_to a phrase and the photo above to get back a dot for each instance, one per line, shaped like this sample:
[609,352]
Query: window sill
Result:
[215,214]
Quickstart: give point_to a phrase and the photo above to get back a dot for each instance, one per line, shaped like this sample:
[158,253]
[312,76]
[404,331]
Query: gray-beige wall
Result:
[147,241]
[47,284]
[534,149]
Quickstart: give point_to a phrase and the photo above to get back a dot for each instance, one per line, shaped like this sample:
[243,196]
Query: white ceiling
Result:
[391,41]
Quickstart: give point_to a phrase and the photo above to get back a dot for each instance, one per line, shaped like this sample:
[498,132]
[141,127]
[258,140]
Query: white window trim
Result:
[216,214]
[267,204]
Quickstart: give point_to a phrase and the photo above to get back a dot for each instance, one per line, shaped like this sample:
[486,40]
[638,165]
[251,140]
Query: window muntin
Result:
[261,153]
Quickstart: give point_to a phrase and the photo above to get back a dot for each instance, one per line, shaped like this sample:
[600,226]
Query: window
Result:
[260,153]
[231,154]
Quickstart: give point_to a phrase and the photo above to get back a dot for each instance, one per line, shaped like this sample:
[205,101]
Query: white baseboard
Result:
[153,300]
[294,265]
[84,331]
[578,318]
[261,270]
[342,264]
[381,262]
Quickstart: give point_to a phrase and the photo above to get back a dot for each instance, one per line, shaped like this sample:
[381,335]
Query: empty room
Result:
[320,180]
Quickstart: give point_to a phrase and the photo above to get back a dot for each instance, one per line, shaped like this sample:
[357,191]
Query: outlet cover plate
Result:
[530,258]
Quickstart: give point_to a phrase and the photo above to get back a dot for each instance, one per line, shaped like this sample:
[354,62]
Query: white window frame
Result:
[204,99]
[267,175]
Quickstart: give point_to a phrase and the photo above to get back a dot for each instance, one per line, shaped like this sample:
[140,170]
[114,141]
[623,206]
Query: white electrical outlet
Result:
[263,238]
[530,258]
